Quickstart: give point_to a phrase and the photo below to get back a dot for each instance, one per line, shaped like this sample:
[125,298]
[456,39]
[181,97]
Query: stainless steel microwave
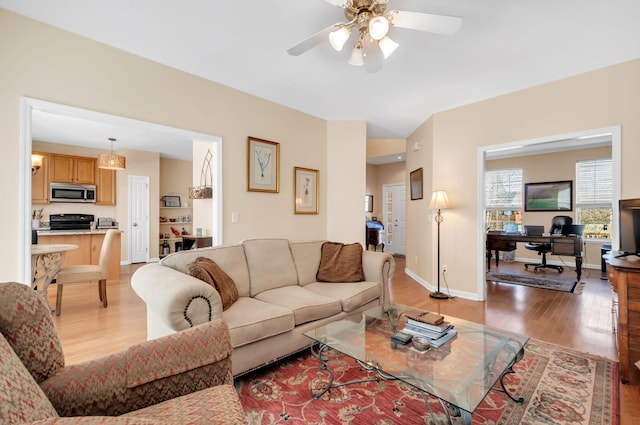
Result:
[68,192]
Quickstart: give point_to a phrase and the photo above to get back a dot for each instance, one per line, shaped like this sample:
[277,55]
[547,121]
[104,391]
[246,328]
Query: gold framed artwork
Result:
[263,165]
[305,197]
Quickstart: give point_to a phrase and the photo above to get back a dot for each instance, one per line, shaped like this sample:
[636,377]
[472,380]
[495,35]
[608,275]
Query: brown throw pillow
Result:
[340,263]
[208,271]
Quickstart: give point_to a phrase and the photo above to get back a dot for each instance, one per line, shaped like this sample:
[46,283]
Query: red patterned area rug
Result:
[560,386]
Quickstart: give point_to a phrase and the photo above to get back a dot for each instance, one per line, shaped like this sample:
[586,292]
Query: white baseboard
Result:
[443,287]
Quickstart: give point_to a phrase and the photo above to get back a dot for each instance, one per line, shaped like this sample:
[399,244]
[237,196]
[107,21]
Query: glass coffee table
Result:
[459,374]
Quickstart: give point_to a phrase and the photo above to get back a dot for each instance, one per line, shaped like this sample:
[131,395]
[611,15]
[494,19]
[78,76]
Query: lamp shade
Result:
[338,37]
[439,200]
[36,161]
[388,46]
[356,56]
[378,27]
[112,161]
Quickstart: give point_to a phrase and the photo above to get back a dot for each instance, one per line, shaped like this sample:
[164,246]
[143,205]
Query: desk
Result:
[560,245]
[46,260]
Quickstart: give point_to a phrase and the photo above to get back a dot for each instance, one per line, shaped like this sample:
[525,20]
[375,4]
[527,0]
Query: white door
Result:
[138,219]
[394,213]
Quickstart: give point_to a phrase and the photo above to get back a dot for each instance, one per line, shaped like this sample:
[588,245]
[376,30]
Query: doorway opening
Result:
[572,141]
[394,202]
[31,108]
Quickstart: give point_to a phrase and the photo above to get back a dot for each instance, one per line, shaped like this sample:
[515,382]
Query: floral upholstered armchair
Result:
[179,379]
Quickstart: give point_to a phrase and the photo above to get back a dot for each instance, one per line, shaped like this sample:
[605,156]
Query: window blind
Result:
[503,189]
[594,183]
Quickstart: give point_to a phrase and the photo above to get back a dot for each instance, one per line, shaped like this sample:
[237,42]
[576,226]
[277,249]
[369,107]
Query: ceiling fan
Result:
[373,22]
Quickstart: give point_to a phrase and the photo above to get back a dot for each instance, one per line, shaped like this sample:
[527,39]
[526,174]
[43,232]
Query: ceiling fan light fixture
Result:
[378,27]
[338,37]
[388,46]
[357,58]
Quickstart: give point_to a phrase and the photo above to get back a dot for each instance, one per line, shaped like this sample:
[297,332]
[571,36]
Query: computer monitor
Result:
[533,230]
[629,227]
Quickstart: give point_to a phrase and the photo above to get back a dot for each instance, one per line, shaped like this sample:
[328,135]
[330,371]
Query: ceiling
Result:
[502,46]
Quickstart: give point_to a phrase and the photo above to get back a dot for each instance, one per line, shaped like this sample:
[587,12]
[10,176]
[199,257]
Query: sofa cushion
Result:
[306,305]
[251,320]
[306,256]
[26,323]
[352,295]
[230,258]
[219,405]
[340,263]
[21,399]
[207,270]
[270,264]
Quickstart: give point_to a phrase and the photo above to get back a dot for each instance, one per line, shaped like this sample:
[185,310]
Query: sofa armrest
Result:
[180,301]
[145,374]
[379,267]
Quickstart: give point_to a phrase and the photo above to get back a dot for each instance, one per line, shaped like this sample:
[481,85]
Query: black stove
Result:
[70,221]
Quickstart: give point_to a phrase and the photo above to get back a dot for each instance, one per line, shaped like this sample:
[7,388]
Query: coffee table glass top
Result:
[461,372]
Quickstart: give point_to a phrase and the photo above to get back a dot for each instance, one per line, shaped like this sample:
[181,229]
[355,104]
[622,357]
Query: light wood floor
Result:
[581,322]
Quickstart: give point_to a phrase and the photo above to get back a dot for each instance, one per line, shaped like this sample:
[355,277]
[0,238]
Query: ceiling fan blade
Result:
[311,42]
[373,56]
[440,24]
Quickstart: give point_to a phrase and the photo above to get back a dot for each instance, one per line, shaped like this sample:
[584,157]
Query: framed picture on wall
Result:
[171,201]
[548,196]
[263,165]
[305,197]
[415,184]
[368,203]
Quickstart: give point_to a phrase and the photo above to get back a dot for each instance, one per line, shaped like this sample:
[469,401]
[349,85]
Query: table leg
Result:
[44,269]
[509,370]
[579,267]
[488,260]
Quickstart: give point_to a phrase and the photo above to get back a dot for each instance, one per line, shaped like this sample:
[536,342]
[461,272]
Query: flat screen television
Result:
[629,227]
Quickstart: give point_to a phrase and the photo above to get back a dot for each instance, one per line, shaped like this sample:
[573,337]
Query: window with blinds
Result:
[594,192]
[503,200]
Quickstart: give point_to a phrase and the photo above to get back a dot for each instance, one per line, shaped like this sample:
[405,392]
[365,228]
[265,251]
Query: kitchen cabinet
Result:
[72,169]
[105,187]
[88,252]
[40,182]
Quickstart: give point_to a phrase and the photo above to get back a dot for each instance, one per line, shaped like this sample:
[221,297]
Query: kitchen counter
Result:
[89,245]
[43,231]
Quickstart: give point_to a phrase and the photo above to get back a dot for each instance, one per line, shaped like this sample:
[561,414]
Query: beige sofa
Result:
[279,297]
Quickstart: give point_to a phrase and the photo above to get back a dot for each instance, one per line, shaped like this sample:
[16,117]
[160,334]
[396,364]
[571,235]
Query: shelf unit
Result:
[164,211]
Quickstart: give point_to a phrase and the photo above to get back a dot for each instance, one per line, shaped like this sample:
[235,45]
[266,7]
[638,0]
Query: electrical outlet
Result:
[444,268]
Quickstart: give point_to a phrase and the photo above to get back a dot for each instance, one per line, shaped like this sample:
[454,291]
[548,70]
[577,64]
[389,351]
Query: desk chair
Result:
[88,272]
[558,224]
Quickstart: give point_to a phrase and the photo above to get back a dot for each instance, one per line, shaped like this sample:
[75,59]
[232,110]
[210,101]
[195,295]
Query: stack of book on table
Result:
[431,326]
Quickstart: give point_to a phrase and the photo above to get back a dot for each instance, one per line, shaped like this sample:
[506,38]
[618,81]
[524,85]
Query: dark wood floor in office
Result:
[582,322]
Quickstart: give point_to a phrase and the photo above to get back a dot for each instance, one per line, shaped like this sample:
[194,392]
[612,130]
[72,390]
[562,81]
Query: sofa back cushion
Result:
[230,258]
[306,256]
[270,264]
[22,400]
[26,323]
[340,263]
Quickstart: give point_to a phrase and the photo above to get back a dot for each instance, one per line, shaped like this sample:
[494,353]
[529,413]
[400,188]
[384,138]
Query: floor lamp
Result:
[439,201]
